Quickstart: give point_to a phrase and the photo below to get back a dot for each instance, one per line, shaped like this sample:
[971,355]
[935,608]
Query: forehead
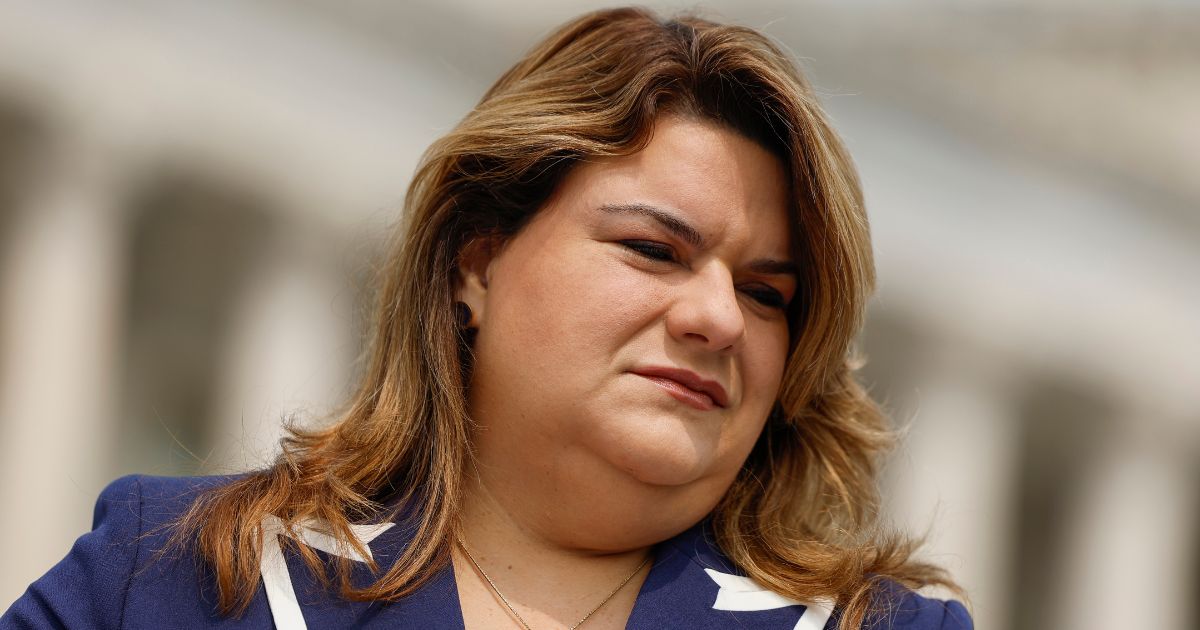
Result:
[731,189]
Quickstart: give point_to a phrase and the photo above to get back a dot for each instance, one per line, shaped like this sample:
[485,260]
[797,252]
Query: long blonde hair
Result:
[801,516]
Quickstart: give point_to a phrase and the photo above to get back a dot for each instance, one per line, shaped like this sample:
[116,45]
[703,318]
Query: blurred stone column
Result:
[953,477]
[1130,548]
[288,352]
[63,286]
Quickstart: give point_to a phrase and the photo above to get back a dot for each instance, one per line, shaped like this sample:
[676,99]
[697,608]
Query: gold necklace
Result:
[516,614]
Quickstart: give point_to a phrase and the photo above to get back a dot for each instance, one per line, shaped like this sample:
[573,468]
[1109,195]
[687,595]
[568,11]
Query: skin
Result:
[582,465]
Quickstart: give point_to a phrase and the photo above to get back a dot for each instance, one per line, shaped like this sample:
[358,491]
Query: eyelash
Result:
[661,253]
[651,250]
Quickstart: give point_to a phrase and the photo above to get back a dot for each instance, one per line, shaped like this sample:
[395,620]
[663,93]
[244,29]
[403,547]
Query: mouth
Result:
[687,387]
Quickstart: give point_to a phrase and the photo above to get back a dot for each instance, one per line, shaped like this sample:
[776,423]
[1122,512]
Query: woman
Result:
[610,384]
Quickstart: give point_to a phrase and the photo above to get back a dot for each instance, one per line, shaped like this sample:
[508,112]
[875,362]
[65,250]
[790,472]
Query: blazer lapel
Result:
[435,605]
[693,585]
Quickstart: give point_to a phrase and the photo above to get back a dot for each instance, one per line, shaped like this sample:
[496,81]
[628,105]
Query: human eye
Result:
[651,250]
[767,297]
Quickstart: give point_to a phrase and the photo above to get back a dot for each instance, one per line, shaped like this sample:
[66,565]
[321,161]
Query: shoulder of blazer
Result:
[900,608]
[170,587]
[917,612]
[91,587]
[162,500]
[746,603]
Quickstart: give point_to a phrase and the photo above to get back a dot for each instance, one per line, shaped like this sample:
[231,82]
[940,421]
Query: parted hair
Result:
[802,515]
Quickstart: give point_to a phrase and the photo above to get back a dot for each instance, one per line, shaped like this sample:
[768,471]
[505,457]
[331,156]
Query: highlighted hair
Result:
[801,517]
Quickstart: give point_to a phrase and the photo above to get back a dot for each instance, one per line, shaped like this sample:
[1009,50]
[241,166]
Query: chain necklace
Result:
[516,614]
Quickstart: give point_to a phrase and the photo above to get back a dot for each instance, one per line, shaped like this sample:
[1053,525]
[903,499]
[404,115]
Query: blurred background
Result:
[192,195]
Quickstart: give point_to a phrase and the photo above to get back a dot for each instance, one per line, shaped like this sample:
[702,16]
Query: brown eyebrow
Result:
[692,236]
[677,226]
[771,267]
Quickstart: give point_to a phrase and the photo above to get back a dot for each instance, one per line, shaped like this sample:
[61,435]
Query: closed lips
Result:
[690,387]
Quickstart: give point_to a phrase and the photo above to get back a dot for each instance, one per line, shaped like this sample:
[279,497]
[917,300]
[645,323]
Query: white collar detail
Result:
[737,593]
[281,596]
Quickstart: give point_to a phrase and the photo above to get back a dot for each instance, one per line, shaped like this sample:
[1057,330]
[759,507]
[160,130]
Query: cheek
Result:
[557,328]
[570,305]
[764,365]
[762,370]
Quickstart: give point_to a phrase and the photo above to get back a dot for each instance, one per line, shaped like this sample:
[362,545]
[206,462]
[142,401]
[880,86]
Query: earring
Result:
[463,312]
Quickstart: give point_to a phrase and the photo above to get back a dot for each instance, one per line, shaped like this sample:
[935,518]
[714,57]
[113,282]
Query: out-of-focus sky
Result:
[192,196]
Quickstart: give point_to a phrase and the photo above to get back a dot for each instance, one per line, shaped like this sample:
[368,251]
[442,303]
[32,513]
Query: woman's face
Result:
[633,334]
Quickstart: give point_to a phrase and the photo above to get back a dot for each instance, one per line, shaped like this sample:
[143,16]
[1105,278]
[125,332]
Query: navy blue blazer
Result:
[112,578]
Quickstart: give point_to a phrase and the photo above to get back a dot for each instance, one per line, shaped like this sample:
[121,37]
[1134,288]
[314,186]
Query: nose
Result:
[707,312]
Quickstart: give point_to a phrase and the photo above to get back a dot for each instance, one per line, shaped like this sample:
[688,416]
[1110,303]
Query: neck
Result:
[492,527]
[551,580]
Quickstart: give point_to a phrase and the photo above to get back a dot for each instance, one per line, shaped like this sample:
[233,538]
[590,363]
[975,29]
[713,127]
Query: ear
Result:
[474,267]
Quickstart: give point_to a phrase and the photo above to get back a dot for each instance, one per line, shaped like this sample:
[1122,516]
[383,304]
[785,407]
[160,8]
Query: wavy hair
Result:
[800,518]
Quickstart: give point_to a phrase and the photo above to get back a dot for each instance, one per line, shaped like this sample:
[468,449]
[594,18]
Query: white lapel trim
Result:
[738,593]
[277,581]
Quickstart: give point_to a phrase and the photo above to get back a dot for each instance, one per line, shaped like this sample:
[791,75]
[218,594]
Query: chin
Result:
[652,458]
